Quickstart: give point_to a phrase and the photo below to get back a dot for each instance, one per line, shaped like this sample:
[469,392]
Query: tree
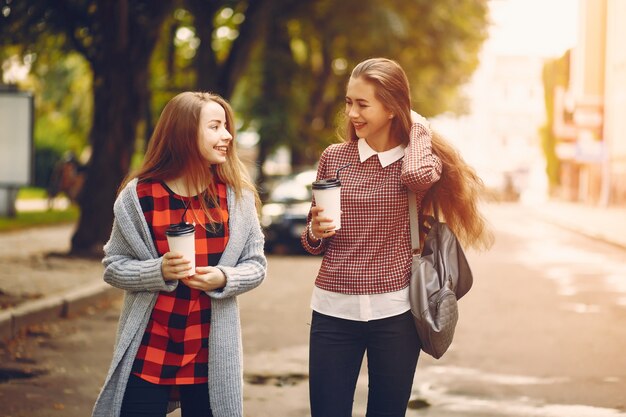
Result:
[219,68]
[208,46]
[437,42]
[555,73]
[117,38]
[274,102]
[283,64]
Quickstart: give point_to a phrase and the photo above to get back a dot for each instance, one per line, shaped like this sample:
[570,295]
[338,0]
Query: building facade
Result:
[500,135]
[592,146]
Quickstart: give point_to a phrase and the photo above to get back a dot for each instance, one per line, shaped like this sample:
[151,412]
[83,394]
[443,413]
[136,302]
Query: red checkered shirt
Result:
[174,348]
[371,253]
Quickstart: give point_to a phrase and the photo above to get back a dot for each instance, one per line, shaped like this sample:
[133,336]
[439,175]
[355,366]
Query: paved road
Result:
[541,334]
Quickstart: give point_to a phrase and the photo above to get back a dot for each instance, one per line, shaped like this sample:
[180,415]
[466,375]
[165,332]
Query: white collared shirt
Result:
[364,307]
[386,158]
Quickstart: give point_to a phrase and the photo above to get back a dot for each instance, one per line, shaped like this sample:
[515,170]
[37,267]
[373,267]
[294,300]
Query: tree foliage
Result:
[282,63]
[437,43]
[555,73]
[117,38]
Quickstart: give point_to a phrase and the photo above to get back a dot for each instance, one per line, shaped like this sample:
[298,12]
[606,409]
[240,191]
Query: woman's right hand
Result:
[417,118]
[321,227]
[174,266]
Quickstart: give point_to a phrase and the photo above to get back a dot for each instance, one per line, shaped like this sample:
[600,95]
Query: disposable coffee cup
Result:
[181,238]
[327,195]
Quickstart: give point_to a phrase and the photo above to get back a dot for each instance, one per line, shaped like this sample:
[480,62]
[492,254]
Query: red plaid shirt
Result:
[371,253]
[174,348]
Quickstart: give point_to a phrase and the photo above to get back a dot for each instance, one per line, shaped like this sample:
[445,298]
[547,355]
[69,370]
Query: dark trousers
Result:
[336,352]
[144,399]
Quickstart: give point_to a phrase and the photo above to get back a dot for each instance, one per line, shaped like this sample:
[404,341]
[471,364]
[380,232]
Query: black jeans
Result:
[336,352]
[144,399]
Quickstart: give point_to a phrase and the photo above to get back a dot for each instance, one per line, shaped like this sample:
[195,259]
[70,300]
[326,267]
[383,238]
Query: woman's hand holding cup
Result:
[321,226]
[174,266]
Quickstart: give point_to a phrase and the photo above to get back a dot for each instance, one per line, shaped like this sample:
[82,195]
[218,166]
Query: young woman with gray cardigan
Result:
[138,261]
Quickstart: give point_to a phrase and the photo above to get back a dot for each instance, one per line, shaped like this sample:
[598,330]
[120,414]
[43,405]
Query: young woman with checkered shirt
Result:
[360,300]
[178,340]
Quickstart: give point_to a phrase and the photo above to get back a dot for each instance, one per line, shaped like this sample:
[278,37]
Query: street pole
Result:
[605,190]
[8,197]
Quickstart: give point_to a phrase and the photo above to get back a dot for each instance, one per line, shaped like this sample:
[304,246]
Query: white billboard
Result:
[16,139]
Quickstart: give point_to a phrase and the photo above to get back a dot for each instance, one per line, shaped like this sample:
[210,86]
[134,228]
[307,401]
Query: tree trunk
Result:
[273,106]
[120,67]
[117,96]
[257,14]
[222,77]
[205,62]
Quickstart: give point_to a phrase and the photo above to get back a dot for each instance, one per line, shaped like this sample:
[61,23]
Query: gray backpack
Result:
[440,276]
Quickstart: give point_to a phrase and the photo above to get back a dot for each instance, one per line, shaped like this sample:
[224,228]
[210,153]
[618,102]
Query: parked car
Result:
[283,216]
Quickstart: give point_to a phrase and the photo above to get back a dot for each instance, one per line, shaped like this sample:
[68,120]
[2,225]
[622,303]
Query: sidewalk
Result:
[35,286]
[604,224]
[38,282]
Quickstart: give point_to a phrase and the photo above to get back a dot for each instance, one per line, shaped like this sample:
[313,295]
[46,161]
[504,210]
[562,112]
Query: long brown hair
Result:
[456,196]
[457,193]
[173,151]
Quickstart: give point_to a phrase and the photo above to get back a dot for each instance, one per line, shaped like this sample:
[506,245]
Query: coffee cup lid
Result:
[180,229]
[327,183]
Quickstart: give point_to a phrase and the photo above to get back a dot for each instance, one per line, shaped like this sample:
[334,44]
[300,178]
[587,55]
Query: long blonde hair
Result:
[456,196]
[457,193]
[173,151]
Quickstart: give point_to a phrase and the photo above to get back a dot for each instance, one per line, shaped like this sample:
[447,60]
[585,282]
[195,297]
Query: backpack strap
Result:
[420,223]
[414,221]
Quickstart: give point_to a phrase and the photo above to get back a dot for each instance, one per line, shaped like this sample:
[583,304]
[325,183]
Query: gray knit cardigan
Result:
[133,264]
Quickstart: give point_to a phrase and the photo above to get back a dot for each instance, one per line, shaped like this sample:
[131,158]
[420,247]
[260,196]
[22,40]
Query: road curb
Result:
[15,320]
[592,234]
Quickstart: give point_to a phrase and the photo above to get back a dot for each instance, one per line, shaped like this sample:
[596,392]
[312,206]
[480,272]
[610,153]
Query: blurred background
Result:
[531,92]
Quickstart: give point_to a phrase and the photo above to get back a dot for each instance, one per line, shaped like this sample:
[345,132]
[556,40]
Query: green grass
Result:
[28,219]
[31,193]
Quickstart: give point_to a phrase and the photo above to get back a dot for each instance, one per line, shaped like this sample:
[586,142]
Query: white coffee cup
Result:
[181,238]
[327,194]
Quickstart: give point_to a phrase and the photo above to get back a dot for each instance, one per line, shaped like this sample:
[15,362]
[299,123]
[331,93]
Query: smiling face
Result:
[368,115]
[213,137]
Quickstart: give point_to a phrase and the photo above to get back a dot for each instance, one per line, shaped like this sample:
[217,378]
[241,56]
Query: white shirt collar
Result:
[386,158]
